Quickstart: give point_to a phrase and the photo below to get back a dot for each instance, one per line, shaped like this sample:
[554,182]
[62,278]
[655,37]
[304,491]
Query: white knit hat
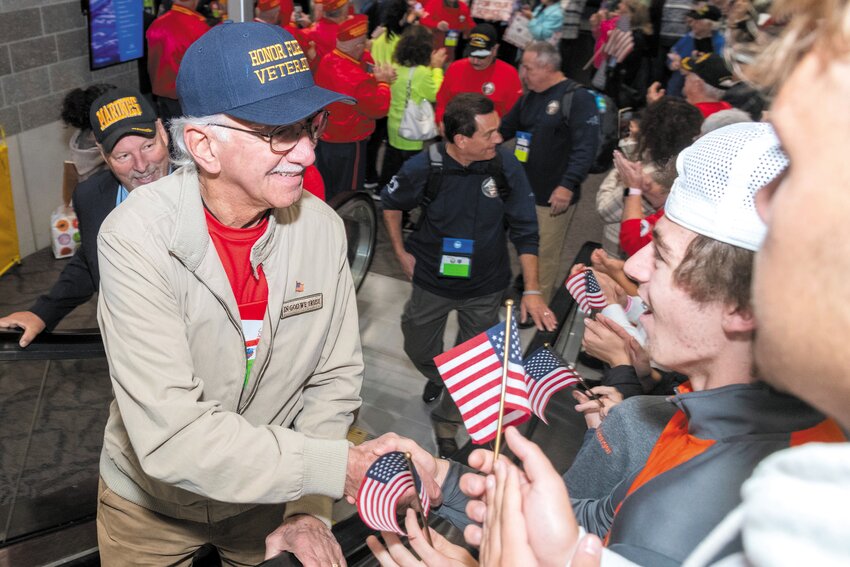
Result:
[718,177]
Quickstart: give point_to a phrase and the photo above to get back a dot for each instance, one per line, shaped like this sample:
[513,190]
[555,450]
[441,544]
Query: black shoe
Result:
[446,447]
[431,392]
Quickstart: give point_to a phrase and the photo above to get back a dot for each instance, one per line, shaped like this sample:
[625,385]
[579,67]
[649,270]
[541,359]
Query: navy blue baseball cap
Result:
[253,71]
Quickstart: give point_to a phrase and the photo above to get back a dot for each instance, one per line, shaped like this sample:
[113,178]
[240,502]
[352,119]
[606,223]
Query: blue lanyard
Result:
[122,194]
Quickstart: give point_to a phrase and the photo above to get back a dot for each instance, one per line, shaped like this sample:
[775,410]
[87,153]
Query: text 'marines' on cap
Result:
[252,71]
[121,112]
[482,38]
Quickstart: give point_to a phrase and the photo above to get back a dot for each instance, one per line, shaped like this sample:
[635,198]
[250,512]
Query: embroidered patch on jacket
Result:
[299,286]
[301,305]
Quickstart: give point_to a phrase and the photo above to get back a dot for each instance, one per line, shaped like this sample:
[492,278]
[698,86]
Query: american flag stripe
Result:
[488,433]
[386,481]
[472,372]
[542,390]
[595,296]
[577,286]
[379,502]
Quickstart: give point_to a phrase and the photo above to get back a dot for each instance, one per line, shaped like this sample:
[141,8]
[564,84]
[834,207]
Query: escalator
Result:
[54,399]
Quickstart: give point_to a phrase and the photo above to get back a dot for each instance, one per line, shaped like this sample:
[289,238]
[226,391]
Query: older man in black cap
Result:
[230,324]
[481,73]
[134,146]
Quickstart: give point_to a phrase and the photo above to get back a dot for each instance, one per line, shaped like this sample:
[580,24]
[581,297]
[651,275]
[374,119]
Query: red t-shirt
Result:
[499,82]
[709,108]
[251,292]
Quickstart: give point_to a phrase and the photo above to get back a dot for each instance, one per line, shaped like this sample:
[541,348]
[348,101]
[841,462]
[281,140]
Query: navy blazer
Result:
[93,200]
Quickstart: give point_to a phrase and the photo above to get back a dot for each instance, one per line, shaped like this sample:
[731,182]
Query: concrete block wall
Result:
[43,55]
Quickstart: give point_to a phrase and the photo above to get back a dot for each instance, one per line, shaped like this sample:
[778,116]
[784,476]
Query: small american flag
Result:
[387,480]
[546,374]
[472,372]
[586,291]
[620,42]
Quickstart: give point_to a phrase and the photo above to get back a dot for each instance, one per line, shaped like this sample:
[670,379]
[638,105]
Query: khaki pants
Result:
[128,534]
[553,231]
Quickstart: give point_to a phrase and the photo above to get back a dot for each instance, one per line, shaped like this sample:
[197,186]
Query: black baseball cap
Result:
[482,38]
[706,12]
[121,112]
[711,68]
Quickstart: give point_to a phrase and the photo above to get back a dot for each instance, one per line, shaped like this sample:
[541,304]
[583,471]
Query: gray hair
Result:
[723,118]
[182,156]
[547,54]
[713,93]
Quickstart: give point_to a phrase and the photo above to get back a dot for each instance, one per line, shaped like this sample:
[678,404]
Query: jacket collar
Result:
[191,240]
[744,409]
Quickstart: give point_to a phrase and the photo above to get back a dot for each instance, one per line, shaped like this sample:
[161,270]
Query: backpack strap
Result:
[567,101]
[435,174]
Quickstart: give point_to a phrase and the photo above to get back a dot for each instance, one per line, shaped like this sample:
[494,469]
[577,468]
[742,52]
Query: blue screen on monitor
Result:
[116,32]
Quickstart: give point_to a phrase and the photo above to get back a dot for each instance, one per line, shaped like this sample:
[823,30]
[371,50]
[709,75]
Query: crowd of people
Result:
[228,311]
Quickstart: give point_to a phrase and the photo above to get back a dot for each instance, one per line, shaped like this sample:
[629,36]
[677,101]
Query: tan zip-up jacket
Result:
[184,438]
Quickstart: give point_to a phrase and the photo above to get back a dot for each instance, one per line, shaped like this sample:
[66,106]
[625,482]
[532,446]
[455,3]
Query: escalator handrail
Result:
[77,344]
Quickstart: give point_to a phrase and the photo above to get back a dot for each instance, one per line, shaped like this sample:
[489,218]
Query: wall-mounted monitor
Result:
[116,32]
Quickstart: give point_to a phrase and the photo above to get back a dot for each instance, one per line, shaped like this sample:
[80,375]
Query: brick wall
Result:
[44,54]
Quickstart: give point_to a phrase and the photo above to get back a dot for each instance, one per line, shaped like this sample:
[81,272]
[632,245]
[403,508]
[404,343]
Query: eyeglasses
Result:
[283,139]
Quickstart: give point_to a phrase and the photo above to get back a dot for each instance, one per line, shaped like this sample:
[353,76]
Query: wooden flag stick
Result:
[509,304]
[423,518]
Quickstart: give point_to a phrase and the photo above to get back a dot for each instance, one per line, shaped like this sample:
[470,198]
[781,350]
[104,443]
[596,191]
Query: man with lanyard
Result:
[341,153]
[168,37]
[134,145]
[481,73]
[230,325]
[556,148]
[458,258]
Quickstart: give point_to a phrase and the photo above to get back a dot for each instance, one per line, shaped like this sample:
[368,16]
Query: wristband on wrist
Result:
[532,292]
[634,191]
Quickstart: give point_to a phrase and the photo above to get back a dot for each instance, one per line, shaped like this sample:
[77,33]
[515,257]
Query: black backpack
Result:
[609,134]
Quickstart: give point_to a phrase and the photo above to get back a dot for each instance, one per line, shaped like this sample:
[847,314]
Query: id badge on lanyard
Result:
[456,260]
[523,146]
[451,38]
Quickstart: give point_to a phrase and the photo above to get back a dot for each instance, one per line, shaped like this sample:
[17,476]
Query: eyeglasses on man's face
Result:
[283,139]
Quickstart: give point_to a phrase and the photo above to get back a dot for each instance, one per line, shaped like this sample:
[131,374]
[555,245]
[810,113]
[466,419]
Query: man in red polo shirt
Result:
[481,73]
[449,20]
[323,32]
[341,152]
[168,37]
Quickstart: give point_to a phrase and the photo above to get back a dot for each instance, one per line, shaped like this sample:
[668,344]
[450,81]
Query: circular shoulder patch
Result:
[489,188]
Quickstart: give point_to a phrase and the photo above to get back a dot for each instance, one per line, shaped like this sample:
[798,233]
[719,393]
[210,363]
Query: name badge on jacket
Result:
[301,305]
